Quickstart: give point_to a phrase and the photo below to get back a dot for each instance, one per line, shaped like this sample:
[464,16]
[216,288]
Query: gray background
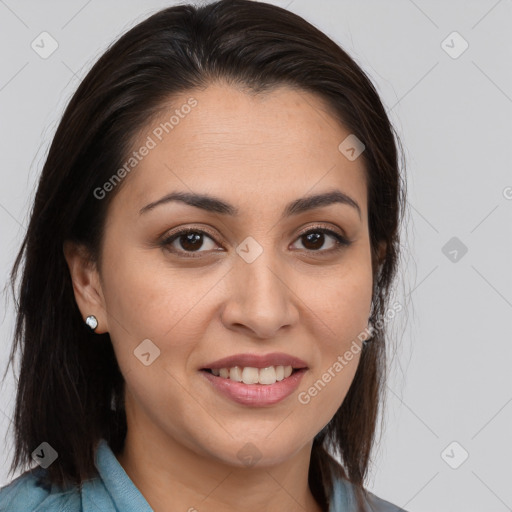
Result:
[450,365]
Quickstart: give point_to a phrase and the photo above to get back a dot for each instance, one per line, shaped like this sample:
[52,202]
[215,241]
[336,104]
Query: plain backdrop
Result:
[443,72]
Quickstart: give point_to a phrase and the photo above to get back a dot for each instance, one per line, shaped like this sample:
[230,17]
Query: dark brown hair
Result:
[70,390]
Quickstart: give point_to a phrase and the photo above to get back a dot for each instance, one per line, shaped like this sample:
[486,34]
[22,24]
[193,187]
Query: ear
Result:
[86,284]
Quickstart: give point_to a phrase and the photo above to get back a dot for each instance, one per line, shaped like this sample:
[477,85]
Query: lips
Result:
[255,380]
[256,361]
[255,395]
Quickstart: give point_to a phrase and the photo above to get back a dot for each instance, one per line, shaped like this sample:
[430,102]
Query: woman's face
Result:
[246,283]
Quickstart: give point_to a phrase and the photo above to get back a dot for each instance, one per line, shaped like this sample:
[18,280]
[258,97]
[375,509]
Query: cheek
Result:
[149,311]
[339,318]
[147,297]
[146,301]
[340,303]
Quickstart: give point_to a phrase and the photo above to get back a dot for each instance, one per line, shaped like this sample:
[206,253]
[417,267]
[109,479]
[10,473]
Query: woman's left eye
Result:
[191,240]
[316,237]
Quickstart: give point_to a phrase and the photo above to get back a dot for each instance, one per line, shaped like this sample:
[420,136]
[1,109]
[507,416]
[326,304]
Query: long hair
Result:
[70,389]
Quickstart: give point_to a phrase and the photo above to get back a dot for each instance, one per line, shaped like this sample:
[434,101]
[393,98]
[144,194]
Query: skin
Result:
[258,153]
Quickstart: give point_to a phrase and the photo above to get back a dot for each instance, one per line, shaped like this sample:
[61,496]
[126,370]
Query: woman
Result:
[206,275]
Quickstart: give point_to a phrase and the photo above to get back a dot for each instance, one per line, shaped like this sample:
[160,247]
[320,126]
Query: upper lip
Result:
[257,361]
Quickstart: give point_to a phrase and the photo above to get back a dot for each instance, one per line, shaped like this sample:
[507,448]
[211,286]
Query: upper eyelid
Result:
[206,230]
[168,238]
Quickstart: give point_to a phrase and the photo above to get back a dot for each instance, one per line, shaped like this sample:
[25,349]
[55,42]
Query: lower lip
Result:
[256,395]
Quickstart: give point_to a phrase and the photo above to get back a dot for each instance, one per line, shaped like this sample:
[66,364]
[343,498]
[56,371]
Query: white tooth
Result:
[279,372]
[235,373]
[267,375]
[250,375]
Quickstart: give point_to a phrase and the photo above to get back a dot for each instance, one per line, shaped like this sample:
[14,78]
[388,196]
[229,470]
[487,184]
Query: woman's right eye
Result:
[190,240]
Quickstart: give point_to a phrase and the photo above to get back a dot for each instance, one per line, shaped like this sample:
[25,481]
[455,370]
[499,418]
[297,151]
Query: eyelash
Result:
[341,241]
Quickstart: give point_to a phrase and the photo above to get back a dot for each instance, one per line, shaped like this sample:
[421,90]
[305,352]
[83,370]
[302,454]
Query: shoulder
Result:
[344,499]
[109,490]
[377,504]
[27,492]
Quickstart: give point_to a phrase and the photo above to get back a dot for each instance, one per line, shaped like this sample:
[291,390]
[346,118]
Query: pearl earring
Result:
[92,322]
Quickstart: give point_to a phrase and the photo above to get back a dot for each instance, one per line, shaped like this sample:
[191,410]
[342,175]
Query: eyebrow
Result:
[216,205]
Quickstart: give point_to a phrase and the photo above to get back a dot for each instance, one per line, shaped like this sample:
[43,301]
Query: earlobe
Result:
[86,284]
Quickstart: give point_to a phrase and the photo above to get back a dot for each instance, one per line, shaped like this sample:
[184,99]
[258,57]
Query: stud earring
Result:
[92,322]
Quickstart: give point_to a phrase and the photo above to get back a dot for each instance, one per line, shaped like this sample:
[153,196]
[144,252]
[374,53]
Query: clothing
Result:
[113,491]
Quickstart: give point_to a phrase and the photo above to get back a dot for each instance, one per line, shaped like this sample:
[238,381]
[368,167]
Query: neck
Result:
[167,472]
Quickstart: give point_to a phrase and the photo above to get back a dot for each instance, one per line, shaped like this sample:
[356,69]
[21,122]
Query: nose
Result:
[260,299]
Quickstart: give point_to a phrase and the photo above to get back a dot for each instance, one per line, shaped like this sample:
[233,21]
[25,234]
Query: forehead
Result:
[270,147]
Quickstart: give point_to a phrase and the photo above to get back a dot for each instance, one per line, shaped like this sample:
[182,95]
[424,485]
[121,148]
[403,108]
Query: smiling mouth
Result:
[251,375]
